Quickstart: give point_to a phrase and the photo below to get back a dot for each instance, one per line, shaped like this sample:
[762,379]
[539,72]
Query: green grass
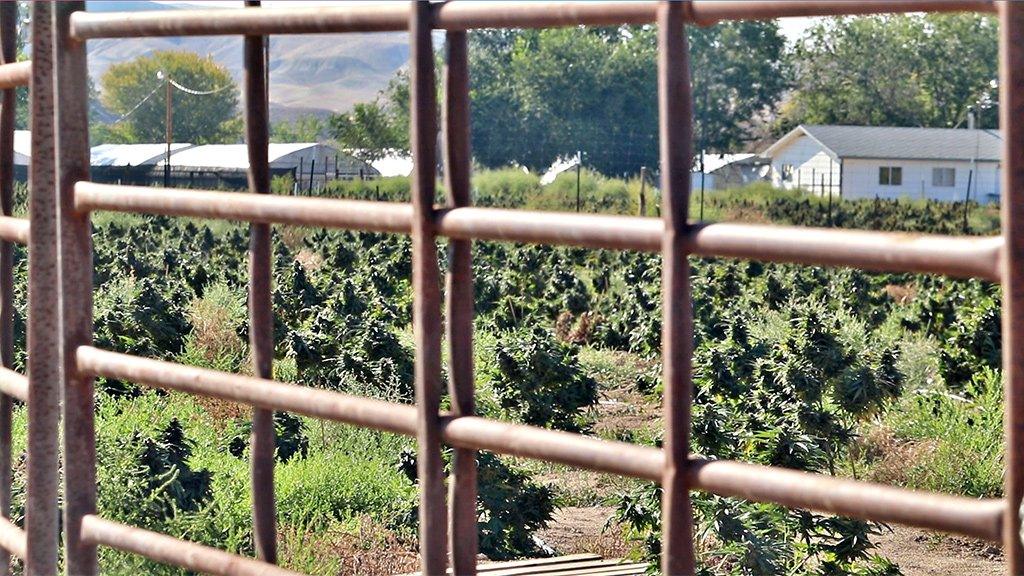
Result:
[934,440]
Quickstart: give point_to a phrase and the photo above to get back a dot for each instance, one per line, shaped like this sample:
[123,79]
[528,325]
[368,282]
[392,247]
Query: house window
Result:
[890,176]
[787,172]
[944,177]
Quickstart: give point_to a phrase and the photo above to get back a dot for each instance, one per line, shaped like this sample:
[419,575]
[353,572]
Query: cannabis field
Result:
[888,377]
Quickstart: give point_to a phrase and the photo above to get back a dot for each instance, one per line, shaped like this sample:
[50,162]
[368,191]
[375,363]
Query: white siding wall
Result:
[810,164]
[860,180]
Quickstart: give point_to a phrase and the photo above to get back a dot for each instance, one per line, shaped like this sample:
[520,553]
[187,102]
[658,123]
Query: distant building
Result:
[868,162]
[128,163]
[311,165]
[393,164]
[724,171]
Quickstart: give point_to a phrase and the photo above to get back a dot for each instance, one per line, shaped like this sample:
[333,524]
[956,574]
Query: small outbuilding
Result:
[867,162]
[310,164]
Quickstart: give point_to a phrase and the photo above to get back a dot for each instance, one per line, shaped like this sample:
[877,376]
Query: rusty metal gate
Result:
[62,362]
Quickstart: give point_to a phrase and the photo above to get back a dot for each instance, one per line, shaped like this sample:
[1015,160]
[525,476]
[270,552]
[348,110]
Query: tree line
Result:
[540,95]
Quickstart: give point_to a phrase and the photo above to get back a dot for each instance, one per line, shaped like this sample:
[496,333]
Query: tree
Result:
[370,130]
[905,70]
[209,116]
[538,95]
[307,128]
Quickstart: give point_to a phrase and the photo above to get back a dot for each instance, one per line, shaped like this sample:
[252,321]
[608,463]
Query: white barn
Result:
[867,162]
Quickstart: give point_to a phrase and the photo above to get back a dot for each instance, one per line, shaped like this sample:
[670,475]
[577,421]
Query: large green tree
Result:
[204,104]
[538,95]
[905,70]
[372,129]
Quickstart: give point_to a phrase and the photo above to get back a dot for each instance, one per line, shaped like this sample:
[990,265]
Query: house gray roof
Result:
[902,143]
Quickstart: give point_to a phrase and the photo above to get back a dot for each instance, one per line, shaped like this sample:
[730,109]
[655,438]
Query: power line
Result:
[137,106]
[176,85]
[198,92]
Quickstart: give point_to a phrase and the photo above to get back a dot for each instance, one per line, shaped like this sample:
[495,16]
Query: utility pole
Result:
[702,181]
[579,163]
[168,127]
[643,192]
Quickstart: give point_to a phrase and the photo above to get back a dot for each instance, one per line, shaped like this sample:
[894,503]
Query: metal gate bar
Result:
[261,314]
[675,115]
[459,303]
[969,257]
[1011,121]
[678,471]
[393,17]
[10,382]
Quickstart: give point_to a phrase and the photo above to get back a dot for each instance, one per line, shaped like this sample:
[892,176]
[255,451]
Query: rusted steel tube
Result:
[426,304]
[14,384]
[168,550]
[468,15]
[261,316]
[958,256]
[980,518]
[462,495]
[12,538]
[793,489]
[14,229]
[266,208]
[258,392]
[554,446]
[8,234]
[43,338]
[15,74]
[675,123]
[1011,118]
[708,12]
[76,271]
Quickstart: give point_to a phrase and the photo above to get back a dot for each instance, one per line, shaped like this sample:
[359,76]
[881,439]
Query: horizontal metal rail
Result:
[468,15]
[15,74]
[14,229]
[880,251]
[267,208]
[168,550]
[978,518]
[13,384]
[13,538]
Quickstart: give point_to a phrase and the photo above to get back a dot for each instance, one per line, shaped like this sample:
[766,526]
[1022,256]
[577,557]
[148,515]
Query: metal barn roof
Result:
[237,155]
[22,147]
[131,154]
[899,143]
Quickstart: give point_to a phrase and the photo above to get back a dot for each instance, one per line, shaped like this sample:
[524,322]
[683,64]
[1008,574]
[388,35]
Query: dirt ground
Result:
[922,553]
[919,553]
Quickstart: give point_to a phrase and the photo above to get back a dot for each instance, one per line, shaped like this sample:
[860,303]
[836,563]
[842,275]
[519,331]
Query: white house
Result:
[867,162]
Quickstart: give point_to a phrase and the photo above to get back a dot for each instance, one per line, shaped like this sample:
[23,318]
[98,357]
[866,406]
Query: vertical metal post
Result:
[168,127]
[459,302]
[579,166]
[643,191]
[261,315]
[72,116]
[43,336]
[1011,114]
[676,135]
[8,32]
[426,313]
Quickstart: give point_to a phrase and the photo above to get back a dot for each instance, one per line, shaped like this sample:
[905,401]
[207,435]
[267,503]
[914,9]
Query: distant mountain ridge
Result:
[310,74]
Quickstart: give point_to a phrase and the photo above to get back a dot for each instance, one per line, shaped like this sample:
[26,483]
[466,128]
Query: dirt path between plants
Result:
[923,553]
[577,530]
